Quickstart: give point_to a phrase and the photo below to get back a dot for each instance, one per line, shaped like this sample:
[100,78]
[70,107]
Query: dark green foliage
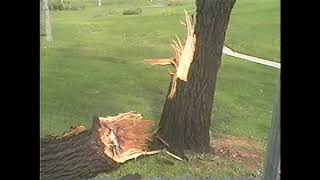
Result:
[55,5]
[173,2]
[132,11]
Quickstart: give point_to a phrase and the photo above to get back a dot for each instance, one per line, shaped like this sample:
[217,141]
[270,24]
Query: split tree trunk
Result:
[76,157]
[185,120]
[47,21]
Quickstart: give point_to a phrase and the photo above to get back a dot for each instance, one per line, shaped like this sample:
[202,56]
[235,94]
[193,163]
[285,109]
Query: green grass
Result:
[164,165]
[255,28]
[95,67]
[244,99]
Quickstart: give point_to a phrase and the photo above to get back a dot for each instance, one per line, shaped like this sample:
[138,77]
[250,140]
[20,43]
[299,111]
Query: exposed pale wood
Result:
[187,52]
[74,131]
[182,55]
[125,136]
[174,156]
[186,119]
[159,61]
[82,153]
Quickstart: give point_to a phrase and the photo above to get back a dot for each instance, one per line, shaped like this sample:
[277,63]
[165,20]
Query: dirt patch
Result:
[247,152]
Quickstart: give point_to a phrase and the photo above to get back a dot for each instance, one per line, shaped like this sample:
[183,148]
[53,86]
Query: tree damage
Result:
[125,136]
[83,153]
[182,55]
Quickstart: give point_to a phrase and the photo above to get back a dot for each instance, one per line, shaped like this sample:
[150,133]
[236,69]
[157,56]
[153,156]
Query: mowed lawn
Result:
[255,28]
[95,67]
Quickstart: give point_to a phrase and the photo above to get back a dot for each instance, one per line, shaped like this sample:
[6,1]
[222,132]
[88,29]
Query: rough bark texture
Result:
[76,157]
[186,118]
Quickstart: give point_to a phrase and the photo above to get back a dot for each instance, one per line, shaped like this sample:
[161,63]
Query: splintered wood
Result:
[183,55]
[186,55]
[125,136]
[74,131]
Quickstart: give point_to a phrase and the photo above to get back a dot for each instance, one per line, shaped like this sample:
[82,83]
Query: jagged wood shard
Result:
[125,136]
[182,55]
[187,52]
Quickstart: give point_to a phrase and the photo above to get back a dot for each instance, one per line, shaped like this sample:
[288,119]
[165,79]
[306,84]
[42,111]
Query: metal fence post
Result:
[272,162]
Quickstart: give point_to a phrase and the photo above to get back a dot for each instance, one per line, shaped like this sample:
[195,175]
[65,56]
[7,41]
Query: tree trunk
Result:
[47,21]
[42,15]
[76,157]
[185,120]
[62,3]
[99,2]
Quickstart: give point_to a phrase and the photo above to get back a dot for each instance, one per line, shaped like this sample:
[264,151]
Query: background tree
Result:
[186,117]
[46,11]
[62,3]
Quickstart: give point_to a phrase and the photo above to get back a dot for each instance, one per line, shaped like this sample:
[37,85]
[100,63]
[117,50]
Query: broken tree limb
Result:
[83,153]
[182,55]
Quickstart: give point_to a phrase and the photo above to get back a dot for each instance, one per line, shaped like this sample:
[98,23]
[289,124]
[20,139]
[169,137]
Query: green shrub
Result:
[55,5]
[173,2]
[132,11]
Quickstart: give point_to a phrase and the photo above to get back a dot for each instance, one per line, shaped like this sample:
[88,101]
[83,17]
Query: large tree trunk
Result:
[47,21]
[185,120]
[75,157]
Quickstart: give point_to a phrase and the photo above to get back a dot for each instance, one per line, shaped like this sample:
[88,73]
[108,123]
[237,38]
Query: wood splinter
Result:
[183,55]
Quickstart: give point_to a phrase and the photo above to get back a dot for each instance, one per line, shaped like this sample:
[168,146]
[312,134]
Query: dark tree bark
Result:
[76,157]
[185,120]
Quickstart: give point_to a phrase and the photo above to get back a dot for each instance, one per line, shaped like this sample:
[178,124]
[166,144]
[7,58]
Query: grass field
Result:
[95,67]
[255,28]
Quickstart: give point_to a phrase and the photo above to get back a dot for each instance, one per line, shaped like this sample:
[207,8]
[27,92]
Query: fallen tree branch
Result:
[83,153]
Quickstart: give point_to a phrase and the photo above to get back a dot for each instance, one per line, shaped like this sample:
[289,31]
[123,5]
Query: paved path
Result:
[159,5]
[229,52]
